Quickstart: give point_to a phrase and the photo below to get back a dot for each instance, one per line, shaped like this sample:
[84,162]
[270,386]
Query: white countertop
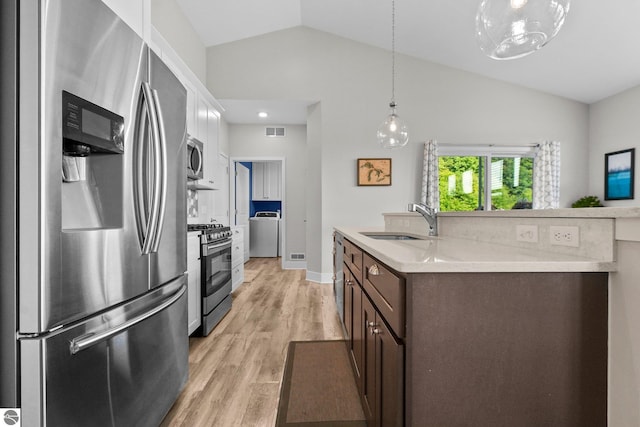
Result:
[448,254]
[602,212]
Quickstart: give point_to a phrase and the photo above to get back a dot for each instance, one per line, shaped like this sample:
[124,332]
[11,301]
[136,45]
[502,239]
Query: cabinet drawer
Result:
[353,259]
[237,253]
[237,274]
[387,292]
[237,234]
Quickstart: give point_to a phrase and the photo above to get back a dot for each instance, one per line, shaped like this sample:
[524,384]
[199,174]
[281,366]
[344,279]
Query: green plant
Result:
[587,202]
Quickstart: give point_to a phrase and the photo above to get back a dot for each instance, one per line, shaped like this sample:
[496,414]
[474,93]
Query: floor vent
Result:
[296,257]
[276,132]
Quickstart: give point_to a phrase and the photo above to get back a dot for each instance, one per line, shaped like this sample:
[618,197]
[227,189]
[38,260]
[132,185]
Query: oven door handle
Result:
[208,248]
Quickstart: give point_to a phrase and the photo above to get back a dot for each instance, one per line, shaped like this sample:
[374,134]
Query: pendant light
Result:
[393,132]
[509,29]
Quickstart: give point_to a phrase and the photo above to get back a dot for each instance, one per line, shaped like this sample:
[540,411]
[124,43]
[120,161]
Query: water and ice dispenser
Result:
[92,165]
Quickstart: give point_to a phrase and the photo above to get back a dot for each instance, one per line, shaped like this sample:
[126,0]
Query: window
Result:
[470,176]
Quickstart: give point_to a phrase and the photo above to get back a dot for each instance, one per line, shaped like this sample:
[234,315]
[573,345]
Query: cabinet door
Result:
[389,377]
[194,305]
[369,362]
[192,111]
[208,128]
[221,196]
[267,180]
[201,119]
[257,181]
[338,276]
[273,176]
[213,125]
[383,371]
[357,333]
[348,304]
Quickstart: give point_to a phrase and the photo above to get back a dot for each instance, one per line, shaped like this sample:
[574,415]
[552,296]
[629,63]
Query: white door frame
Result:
[232,195]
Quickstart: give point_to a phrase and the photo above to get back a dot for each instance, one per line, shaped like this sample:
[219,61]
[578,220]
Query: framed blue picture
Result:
[619,170]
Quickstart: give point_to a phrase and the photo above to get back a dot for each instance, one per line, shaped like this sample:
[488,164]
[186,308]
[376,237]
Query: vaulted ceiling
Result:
[595,55]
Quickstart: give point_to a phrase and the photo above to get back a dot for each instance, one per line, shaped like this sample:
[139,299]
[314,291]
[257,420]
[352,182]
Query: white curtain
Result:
[430,191]
[546,176]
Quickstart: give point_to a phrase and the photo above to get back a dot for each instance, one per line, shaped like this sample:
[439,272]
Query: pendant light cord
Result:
[393,54]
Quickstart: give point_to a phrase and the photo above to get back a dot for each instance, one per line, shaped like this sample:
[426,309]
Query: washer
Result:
[264,235]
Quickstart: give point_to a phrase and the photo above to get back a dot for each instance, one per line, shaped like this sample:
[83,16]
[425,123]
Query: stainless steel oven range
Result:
[215,255]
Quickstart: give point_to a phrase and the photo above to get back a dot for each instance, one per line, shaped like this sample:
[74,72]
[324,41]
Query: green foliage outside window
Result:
[467,193]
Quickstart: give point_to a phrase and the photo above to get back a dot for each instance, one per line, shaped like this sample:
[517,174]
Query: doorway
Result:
[245,200]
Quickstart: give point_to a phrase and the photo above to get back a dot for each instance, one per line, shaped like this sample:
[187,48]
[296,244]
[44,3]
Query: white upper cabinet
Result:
[221,196]
[203,113]
[267,180]
[192,110]
[203,122]
[135,13]
[208,122]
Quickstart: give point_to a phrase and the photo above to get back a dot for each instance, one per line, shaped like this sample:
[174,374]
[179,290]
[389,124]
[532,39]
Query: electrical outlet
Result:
[527,233]
[564,235]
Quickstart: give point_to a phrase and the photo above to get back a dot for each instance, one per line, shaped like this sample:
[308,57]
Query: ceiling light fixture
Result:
[393,132]
[509,29]
[263,115]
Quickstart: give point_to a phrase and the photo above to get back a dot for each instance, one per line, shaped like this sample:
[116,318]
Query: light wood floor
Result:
[235,372]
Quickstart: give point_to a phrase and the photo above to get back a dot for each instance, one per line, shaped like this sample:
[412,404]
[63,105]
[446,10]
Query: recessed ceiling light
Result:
[263,115]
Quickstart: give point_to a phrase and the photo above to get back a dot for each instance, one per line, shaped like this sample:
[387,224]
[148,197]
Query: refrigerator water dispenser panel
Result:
[92,165]
[87,127]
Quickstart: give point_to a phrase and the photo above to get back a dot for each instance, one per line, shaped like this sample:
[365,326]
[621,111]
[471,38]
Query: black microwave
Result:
[195,158]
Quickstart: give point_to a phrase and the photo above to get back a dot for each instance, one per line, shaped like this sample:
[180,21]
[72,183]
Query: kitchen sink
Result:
[393,236]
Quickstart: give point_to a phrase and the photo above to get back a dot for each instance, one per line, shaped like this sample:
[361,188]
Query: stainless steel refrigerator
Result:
[93,318]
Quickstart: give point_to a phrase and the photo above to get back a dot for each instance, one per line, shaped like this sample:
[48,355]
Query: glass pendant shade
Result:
[393,133]
[509,29]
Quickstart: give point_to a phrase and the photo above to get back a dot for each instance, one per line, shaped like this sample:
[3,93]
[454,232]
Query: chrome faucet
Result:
[429,214]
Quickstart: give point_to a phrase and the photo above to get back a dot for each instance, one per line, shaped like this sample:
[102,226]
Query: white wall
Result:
[249,141]
[614,125]
[314,188]
[352,83]
[170,21]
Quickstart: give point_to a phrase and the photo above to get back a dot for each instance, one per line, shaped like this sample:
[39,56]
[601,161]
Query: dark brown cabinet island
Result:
[475,348]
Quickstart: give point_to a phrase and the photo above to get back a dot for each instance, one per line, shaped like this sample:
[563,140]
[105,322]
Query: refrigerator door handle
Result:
[140,186]
[161,167]
[85,341]
[146,190]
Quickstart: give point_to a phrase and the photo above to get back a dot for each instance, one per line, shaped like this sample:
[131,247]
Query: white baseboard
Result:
[325,278]
[294,265]
[312,276]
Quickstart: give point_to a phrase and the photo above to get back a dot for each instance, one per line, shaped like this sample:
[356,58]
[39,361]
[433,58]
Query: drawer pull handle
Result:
[374,270]
[375,331]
